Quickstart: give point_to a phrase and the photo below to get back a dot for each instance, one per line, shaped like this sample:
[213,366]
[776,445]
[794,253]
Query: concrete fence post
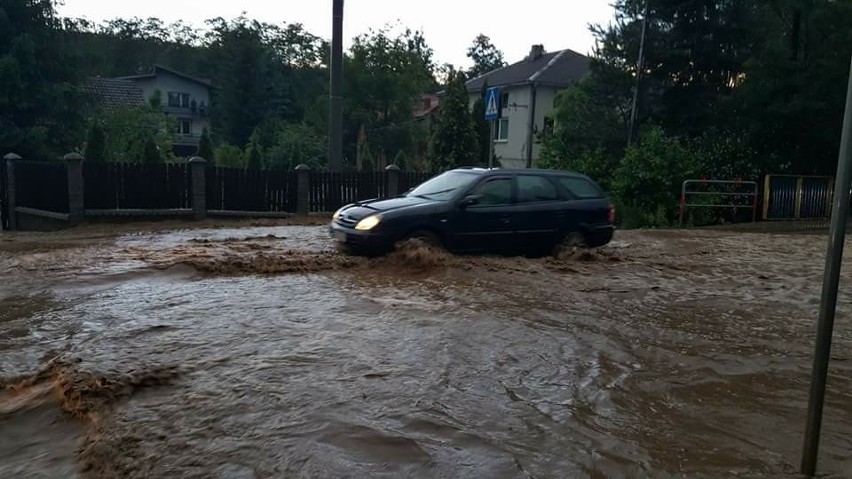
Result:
[10,160]
[393,180]
[197,166]
[303,189]
[76,198]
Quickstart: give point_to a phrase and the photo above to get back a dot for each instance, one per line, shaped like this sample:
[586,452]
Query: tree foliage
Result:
[137,134]
[96,144]
[731,89]
[454,140]
[485,56]
[39,101]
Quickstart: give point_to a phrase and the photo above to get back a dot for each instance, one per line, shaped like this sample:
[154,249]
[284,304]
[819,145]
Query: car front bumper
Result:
[360,241]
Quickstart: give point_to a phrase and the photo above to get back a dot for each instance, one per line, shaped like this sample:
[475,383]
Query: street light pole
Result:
[640,68]
[830,283]
[335,123]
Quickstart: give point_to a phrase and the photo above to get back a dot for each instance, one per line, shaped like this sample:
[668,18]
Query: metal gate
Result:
[734,194]
[789,197]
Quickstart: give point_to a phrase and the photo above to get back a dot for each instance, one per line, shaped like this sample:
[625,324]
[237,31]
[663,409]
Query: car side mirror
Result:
[469,201]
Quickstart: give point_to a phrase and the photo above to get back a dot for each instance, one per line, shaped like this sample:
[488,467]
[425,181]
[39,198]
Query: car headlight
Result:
[368,223]
[337,214]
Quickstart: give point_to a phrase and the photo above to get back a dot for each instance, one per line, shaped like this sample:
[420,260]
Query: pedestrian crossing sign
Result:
[492,103]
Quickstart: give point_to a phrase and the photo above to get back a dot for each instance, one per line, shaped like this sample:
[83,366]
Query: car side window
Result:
[580,188]
[497,191]
[533,189]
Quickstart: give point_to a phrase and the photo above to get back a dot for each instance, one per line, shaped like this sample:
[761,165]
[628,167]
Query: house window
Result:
[184,127]
[547,129]
[178,100]
[501,133]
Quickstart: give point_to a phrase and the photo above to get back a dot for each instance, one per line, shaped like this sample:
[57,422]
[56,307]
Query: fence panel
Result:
[41,185]
[410,179]
[100,185]
[4,197]
[281,191]
[788,197]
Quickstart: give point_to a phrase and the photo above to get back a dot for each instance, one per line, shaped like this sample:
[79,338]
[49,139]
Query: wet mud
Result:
[255,351]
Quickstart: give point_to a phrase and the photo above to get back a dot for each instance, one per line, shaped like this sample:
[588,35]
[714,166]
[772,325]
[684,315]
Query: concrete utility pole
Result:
[830,283]
[335,123]
[640,64]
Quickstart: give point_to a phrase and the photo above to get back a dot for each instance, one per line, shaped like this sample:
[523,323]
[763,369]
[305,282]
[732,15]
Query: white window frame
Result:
[501,130]
[180,125]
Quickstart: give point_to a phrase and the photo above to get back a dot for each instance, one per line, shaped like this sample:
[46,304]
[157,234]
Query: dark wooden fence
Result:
[51,189]
[41,185]
[230,189]
[118,186]
[4,197]
[410,179]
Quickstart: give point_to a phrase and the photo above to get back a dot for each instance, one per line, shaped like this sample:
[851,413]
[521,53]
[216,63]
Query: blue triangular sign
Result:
[492,110]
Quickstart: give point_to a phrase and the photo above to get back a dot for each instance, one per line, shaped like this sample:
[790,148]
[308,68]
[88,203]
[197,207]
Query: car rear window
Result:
[581,188]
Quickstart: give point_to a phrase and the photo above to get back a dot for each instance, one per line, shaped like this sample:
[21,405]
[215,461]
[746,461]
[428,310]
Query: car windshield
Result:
[443,186]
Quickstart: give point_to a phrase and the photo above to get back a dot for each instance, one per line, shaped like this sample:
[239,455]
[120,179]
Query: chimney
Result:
[536,52]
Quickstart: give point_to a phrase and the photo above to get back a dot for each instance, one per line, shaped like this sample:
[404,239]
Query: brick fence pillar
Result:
[76,199]
[393,180]
[303,189]
[197,166]
[10,160]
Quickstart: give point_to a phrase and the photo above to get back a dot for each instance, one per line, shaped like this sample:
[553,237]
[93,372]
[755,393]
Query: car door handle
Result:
[505,219]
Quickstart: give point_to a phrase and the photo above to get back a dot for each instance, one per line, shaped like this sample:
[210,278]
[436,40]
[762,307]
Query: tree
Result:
[484,141]
[250,86]
[485,56]
[134,133]
[298,143]
[651,173]
[96,144]
[39,102]
[590,129]
[385,75]
[205,145]
[254,158]
[228,156]
[454,141]
[151,154]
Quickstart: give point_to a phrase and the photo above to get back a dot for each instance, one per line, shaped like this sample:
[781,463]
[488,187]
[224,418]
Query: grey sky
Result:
[449,25]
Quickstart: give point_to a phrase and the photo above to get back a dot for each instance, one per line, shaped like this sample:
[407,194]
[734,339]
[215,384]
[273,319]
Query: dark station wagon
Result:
[483,210]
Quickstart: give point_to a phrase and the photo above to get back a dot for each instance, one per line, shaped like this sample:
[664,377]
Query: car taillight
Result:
[610,213]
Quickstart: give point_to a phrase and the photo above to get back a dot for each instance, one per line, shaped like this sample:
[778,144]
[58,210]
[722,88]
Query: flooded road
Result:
[259,352]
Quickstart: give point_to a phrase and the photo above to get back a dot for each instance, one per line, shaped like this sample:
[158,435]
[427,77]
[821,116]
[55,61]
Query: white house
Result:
[528,90]
[185,97]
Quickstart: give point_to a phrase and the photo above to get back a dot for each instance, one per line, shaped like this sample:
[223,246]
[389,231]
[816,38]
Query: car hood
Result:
[362,209]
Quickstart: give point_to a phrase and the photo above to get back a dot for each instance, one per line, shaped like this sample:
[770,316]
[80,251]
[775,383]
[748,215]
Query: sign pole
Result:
[492,114]
[491,146]
[830,283]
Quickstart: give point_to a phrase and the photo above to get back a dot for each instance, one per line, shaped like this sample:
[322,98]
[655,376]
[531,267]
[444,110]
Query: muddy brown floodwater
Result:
[257,351]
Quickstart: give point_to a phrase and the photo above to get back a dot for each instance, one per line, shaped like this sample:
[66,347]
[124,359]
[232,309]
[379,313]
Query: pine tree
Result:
[454,140]
[483,130]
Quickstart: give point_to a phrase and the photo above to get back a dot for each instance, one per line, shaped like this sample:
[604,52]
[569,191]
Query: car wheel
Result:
[571,240]
[427,237]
